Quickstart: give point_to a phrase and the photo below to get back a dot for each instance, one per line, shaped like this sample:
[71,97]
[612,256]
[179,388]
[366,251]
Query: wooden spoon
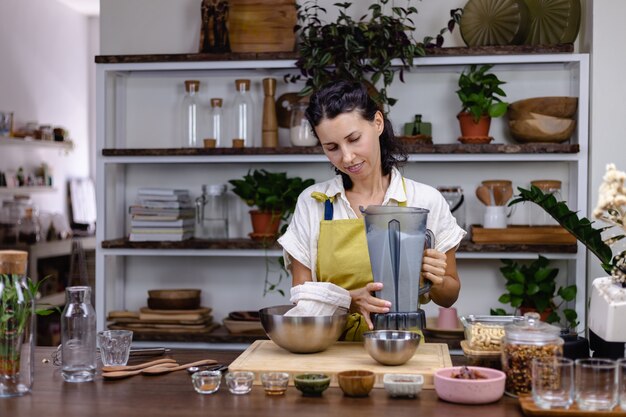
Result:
[158,370]
[138,366]
[126,374]
[483,194]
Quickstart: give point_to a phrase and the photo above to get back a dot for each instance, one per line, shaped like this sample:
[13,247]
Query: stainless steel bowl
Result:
[391,347]
[307,334]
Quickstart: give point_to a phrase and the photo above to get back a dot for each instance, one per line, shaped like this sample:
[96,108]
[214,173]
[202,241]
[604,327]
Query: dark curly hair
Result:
[343,97]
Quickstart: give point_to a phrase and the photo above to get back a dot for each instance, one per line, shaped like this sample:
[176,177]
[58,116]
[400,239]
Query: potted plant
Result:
[273,194]
[479,93]
[359,50]
[17,312]
[607,306]
[533,287]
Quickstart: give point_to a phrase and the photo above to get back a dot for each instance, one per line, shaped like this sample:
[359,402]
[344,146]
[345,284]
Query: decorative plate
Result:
[494,22]
[553,21]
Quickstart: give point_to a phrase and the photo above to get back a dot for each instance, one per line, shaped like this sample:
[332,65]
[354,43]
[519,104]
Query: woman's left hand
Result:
[434,266]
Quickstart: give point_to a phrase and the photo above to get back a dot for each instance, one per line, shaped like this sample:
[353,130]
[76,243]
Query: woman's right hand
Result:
[364,302]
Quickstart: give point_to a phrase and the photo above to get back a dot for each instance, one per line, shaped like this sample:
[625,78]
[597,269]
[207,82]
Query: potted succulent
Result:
[479,93]
[273,194]
[359,50]
[533,287]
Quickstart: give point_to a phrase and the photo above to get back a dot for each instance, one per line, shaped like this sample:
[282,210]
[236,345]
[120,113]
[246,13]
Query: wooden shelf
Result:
[249,244]
[36,143]
[533,148]
[259,56]
[219,335]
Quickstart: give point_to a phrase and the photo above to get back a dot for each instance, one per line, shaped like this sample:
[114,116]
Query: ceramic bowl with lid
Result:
[524,340]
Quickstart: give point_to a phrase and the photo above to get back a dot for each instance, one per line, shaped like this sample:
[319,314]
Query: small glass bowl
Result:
[239,382]
[275,383]
[206,382]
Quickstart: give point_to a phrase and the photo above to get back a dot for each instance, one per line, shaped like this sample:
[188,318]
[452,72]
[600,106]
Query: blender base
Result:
[412,321]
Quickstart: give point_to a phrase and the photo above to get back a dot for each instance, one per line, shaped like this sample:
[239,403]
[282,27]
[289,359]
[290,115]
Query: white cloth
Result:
[300,239]
[318,299]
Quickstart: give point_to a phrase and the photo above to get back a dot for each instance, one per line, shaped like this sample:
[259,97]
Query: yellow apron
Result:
[343,259]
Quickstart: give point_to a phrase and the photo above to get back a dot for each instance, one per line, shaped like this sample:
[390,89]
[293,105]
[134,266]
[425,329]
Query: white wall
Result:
[44,78]
[608,99]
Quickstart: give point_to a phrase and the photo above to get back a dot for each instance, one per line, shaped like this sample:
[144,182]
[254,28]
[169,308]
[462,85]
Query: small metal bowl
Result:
[391,347]
[306,334]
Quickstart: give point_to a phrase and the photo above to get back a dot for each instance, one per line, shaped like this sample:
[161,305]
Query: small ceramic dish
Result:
[469,391]
[356,383]
[311,385]
[403,385]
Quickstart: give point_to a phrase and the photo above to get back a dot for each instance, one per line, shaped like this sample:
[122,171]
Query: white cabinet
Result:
[137,136]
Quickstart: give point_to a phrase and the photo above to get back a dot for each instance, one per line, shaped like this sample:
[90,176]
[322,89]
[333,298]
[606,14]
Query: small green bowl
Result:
[311,385]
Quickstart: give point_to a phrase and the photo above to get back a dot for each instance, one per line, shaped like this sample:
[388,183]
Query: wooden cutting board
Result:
[265,356]
[523,235]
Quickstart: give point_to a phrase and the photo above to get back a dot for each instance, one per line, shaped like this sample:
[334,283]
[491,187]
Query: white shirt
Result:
[300,239]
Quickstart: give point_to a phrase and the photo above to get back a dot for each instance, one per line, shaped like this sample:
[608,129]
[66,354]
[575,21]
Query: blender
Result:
[396,239]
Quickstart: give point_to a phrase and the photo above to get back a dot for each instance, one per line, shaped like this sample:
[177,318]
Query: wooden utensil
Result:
[126,374]
[484,195]
[138,366]
[158,370]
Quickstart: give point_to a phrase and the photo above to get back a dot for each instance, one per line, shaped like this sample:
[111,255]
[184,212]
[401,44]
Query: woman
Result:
[326,239]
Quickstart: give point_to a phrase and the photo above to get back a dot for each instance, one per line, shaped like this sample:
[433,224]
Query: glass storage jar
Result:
[524,340]
[243,115]
[537,215]
[212,212]
[300,132]
[191,115]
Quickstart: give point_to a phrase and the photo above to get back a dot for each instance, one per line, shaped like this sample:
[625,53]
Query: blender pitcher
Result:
[396,238]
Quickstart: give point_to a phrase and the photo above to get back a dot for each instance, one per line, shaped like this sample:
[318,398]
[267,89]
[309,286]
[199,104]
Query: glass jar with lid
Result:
[524,340]
[212,212]
[537,215]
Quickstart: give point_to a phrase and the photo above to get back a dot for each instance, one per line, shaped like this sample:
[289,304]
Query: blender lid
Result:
[392,210]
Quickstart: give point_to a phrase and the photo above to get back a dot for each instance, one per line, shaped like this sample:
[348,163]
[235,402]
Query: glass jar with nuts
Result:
[524,340]
[485,333]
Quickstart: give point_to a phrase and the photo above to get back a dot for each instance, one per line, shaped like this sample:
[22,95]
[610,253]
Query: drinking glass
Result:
[621,372]
[115,346]
[239,382]
[553,382]
[596,384]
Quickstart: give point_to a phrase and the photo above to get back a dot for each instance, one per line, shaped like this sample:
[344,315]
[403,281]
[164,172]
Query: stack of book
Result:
[161,214]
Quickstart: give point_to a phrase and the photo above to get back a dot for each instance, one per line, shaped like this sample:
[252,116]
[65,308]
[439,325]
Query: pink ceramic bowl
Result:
[469,391]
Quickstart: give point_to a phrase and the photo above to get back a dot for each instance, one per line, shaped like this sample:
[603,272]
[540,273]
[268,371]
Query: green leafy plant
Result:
[533,287]
[359,50]
[479,91]
[276,193]
[14,319]
[581,228]
[270,192]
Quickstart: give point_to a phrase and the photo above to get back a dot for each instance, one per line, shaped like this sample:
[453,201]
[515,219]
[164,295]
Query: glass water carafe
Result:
[212,213]
[78,336]
[17,325]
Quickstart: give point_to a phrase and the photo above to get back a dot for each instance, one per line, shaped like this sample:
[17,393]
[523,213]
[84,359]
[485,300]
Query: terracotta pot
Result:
[471,129]
[542,316]
[265,223]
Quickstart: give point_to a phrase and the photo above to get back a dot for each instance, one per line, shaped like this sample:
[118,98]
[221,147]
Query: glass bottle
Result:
[417,125]
[243,114]
[300,133]
[28,227]
[212,213]
[191,115]
[216,121]
[17,307]
[78,336]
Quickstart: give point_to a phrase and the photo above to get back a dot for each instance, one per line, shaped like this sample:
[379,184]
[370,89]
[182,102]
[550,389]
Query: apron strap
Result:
[328,210]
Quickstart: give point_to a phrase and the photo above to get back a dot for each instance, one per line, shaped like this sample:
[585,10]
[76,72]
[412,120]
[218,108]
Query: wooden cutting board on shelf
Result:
[523,235]
[530,409]
[266,356]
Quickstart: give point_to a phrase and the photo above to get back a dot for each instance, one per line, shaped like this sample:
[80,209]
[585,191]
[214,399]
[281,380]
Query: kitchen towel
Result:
[318,299]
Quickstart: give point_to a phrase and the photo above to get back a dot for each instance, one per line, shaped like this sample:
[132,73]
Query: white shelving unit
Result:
[35,143]
[122,124]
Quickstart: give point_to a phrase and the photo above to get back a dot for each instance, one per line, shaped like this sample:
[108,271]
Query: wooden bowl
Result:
[356,383]
[563,107]
[542,129]
[177,299]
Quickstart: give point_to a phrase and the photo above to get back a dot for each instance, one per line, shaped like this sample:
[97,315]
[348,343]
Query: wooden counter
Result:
[172,394]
